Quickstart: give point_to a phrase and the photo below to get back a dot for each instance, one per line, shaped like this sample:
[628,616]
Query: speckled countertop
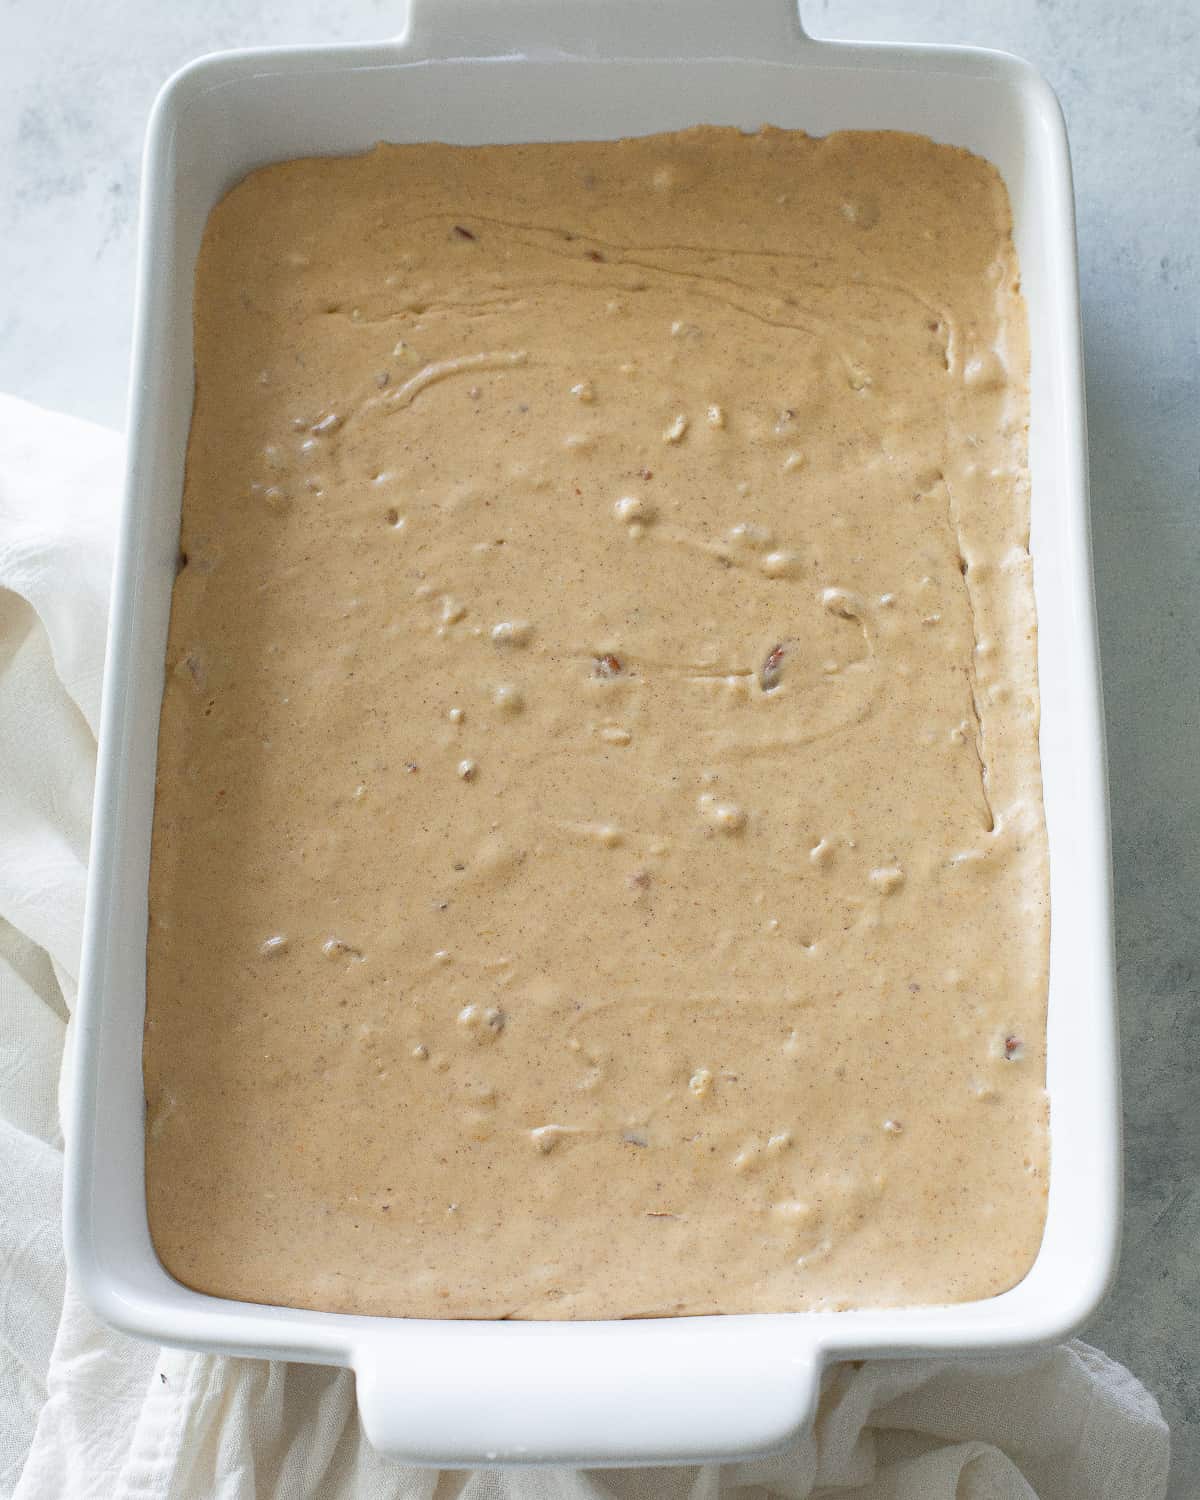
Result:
[76,81]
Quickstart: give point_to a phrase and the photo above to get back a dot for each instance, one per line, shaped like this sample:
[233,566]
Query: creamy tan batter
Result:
[599,866]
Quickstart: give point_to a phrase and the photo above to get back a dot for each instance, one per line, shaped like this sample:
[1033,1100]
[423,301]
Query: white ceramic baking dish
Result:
[460,1393]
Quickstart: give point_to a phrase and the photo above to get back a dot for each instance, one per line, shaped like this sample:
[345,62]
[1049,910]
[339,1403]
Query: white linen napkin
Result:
[86,1414]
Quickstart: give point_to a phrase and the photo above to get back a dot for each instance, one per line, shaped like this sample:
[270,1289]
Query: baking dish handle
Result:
[603,28]
[583,1394]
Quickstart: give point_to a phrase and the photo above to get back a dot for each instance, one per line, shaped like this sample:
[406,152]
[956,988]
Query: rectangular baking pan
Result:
[472,71]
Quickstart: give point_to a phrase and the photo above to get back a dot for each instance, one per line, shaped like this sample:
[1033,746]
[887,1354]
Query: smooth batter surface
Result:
[599,865]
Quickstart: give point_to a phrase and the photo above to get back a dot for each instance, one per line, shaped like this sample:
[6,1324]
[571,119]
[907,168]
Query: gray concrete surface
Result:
[76,80]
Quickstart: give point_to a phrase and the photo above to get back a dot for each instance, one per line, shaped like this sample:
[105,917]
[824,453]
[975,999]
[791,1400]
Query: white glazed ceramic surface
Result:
[457,1393]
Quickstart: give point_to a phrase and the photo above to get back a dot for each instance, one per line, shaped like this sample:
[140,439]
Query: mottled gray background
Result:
[76,81]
